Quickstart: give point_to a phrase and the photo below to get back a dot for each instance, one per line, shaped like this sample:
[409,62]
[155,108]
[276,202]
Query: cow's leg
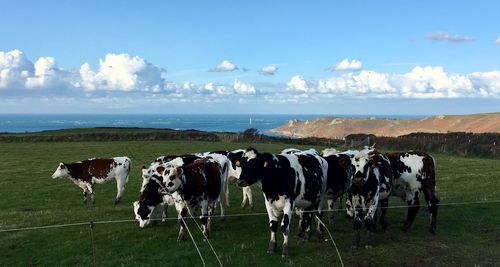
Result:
[357,212]
[211,209]
[432,202]
[319,215]
[370,220]
[273,226]
[84,195]
[413,207]
[250,196]
[331,207]
[181,215]
[163,208]
[349,213]
[204,218]
[285,225]
[384,203]
[244,200]
[222,211]
[120,188]
[90,190]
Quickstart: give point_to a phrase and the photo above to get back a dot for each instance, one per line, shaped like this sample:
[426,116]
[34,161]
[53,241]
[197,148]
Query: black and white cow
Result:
[88,172]
[288,181]
[234,173]
[371,182]
[199,184]
[415,172]
[150,199]
[339,173]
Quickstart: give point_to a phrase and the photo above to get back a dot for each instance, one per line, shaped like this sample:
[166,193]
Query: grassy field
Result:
[467,235]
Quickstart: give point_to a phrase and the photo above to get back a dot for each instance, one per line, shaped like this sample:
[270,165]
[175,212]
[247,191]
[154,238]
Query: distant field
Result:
[467,235]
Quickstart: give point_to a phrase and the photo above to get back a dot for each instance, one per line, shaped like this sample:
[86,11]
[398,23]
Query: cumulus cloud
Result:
[225,65]
[348,65]
[121,72]
[420,82]
[446,37]
[298,84]
[15,68]
[269,70]
[243,88]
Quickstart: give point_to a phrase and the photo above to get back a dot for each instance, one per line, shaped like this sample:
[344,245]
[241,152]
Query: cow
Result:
[415,172]
[199,184]
[338,177]
[288,181]
[88,172]
[370,182]
[150,198]
[234,173]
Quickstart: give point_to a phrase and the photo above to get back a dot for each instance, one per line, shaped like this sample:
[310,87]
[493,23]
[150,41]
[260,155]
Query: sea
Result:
[21,123]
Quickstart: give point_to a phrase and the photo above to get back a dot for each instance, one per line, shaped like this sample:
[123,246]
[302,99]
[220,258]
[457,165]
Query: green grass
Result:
[467,234]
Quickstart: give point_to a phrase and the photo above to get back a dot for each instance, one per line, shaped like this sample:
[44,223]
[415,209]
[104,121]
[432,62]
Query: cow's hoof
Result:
[284,253]
[243,205]
[432,230]
[272,248]
[321,236]
[251,207]
[300,234]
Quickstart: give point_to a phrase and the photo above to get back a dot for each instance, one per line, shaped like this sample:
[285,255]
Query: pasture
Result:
[467,234]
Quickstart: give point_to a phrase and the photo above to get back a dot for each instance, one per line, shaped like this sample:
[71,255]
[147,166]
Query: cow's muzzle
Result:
[358,180]
[242,183]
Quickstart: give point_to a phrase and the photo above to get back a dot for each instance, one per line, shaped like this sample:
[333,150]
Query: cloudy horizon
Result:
[433,72]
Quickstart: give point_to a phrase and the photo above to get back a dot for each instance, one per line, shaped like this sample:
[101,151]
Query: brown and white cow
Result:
[88,172]
[200,184]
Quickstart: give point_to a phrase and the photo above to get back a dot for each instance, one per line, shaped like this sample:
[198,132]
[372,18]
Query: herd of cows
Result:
[305,182]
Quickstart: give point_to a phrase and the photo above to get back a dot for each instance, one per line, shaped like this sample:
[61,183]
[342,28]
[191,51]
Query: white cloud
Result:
[446,37]
[421,82]
[366,82]
[225,65]
[46,73]
[348,65]
[297,84]
[121,72]
[15,68]
[497,41]
[243,88]
[269,70]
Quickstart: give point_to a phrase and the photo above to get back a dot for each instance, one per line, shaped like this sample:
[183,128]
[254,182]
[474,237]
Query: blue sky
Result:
[325,57]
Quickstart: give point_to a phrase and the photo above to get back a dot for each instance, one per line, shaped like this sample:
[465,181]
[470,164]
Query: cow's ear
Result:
[237,163]
[372,163]
[62,165]
[179,172]
[143,167]
[160,169]
[266,163]
[344,162]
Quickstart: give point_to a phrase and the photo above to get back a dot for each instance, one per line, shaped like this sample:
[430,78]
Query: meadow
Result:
[467,234]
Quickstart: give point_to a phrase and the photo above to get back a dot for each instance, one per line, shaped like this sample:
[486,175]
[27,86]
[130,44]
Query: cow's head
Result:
[61,171]
[153,171]
[252,164]
[172,177]
[362,165]
[235,158]
[149,199]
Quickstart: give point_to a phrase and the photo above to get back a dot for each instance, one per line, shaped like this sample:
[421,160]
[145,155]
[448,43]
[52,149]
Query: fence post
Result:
[92,226]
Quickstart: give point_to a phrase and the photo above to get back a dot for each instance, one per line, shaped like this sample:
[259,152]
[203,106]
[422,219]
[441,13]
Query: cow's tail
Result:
[432,176]
[129,169]
[226,183]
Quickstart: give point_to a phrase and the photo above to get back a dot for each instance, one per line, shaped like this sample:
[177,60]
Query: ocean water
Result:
[15,123]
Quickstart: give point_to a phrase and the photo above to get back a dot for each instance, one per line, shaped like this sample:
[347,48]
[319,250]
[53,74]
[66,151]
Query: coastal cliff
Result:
[338,128]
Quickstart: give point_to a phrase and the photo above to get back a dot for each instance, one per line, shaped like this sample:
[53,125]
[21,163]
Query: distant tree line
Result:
[458,143]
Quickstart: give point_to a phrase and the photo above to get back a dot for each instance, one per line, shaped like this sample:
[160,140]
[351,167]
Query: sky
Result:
[250,57]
